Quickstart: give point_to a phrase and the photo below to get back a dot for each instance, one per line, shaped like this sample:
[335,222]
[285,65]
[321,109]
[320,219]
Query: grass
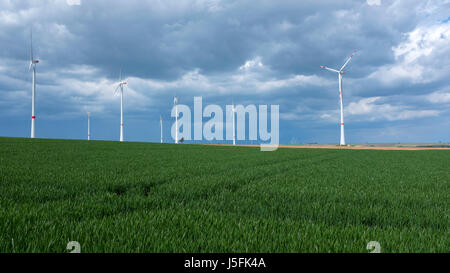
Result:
[141,197]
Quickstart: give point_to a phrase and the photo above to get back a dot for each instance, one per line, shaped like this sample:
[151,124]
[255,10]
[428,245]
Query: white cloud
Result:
[374,2]
[411,114]
[422,41]
[438,97]
[242,83]
[285,25]
[80,70]
[296,80]
[211,5]
[252,76]
[369,109]
[290,116]
[96,95]
[73,2]
[363,106]
[251,64]
[418,56]
[328,116]
[9,15]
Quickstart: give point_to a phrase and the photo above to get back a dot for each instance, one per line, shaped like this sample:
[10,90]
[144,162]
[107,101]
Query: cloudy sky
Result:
[396,88]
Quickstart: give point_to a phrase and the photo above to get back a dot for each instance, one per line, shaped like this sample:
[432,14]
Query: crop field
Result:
[143,197]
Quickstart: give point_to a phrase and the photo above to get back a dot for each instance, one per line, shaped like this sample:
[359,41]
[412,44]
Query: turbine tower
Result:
[341,73]
[175,101]
[89,125]
[234,130]
[161,125]
[33,63]
[119,88]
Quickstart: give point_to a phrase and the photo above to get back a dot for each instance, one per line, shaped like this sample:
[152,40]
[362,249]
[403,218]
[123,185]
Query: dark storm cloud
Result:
[164,39]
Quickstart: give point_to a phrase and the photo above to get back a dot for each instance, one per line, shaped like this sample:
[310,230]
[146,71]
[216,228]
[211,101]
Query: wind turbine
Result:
[33,63]
[234,130]
[89,125]
[175,101]
[161,125]
[341,73]
[119,88]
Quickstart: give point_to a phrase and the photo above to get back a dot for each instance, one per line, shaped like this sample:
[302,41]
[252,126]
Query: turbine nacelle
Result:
[33,62]
[122,83]
[120,86]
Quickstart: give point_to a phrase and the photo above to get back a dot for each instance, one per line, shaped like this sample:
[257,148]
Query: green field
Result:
[141,197]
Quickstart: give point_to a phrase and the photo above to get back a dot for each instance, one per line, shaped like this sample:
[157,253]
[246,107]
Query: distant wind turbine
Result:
[234,130]
[161,125]
[175,101]
[341,73]
[89,125]
[119,88]
[33,63]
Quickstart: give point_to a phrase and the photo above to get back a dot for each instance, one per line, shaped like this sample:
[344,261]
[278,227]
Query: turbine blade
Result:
[348,60]
[330,69]
[31,46]
[31,64]
[117,88]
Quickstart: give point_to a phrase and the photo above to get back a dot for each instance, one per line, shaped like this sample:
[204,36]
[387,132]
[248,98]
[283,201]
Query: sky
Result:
[396,88]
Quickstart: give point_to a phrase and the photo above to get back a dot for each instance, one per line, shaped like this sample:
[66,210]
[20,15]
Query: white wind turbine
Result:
[234,130]
[175,101]
[119,88]
[33,63]
[89,125]
[341,73]
[161,125]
